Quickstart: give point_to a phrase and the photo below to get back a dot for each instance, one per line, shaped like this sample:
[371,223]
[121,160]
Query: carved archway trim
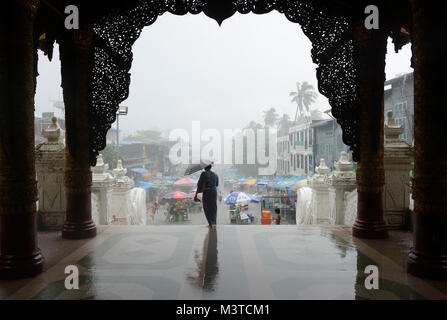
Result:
[332,50]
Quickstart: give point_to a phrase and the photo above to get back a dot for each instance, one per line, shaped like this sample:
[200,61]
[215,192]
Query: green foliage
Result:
[283,125]
[111,156]
[270,117]
[254,125]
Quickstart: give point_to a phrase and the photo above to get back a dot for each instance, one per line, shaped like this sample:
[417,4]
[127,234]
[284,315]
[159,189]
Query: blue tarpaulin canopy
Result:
[139,170]
[144,185]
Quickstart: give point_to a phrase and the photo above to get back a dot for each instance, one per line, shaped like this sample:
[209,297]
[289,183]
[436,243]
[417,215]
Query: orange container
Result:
[266,220]
[266,214]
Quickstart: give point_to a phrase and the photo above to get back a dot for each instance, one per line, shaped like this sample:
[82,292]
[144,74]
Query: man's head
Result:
[277,211]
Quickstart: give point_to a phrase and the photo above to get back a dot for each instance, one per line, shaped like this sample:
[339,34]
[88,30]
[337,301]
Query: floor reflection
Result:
[207,263]
[230,262]
[211,262]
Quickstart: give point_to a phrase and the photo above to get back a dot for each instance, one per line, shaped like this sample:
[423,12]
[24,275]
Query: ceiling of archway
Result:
[118,24]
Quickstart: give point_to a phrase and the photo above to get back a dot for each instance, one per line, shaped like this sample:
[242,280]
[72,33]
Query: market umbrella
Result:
[185,182]
[251,182]
[254,198]
[239,197]
[298,185]
[197,167]
[176,195]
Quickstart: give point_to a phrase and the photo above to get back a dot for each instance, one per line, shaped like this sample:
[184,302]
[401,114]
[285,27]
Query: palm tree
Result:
[304,96]
[270,117]
[253,125]
[284,124]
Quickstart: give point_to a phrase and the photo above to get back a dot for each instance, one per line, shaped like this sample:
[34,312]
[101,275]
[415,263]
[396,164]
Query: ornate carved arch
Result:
[325,24]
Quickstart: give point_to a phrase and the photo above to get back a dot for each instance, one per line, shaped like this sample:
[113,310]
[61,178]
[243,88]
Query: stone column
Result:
[102,189]
[370,50]
[320,194]
[19,254]
[341,180]
[428,257]
[50,167]
[121,204]
[398,162]
[75,53]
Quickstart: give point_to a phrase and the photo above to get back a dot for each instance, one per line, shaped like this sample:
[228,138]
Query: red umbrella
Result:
[179,196]
[185,182]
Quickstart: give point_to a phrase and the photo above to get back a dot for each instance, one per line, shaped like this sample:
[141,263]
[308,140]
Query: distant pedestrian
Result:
[278,216]
[154,210]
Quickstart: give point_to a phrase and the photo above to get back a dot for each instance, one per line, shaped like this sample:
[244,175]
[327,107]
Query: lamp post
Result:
[122,111]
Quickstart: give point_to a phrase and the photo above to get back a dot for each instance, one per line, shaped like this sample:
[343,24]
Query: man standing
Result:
[207,184]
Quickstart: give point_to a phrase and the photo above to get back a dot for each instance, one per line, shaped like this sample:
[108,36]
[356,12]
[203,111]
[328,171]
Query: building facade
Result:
[283,149]
[399,98]
[300,148]
[328,142]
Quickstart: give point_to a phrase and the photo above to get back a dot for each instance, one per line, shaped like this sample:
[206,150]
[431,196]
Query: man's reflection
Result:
[211,264]
[207,265]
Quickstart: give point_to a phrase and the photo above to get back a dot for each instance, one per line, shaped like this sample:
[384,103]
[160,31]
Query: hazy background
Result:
[188,68]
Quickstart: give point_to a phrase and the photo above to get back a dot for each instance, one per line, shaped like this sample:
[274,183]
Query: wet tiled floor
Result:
[231,262]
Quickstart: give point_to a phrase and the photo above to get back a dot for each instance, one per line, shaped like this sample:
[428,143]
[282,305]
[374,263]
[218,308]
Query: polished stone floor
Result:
[230,262]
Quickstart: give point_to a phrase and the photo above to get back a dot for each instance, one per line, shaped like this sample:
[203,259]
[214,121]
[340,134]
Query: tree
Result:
[254,125]
[270,117]
[284,124]
[111,156]
[304,96]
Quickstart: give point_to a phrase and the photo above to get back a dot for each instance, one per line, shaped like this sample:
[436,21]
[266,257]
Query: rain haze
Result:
[187,68]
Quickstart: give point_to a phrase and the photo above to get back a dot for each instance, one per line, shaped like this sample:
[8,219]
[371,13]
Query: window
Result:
[302,162]
[305,139]
[400,107]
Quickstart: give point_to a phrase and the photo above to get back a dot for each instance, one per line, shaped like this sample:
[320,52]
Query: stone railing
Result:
[333,197]
[350,207]
[115,200]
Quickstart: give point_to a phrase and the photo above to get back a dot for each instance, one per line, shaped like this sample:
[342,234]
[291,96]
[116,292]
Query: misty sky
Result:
[188,68]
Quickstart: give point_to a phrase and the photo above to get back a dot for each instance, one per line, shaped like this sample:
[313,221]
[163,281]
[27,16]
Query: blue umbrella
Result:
[239,197]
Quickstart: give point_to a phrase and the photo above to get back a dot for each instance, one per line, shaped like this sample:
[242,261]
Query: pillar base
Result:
[369,229]
[427,266]
[16,267]
[79,230]
[369,223]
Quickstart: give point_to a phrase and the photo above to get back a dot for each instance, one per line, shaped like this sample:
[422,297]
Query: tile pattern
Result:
[231,262]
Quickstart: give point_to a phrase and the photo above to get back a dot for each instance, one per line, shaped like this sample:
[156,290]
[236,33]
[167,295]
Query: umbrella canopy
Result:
[298,185]
[254,198]
[144,185]
[185,182]
[251,182]
[197,167]
[176,195]
[263,183]
[238,197]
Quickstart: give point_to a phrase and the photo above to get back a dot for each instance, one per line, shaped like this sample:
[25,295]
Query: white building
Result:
[283,148]
[300,152]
